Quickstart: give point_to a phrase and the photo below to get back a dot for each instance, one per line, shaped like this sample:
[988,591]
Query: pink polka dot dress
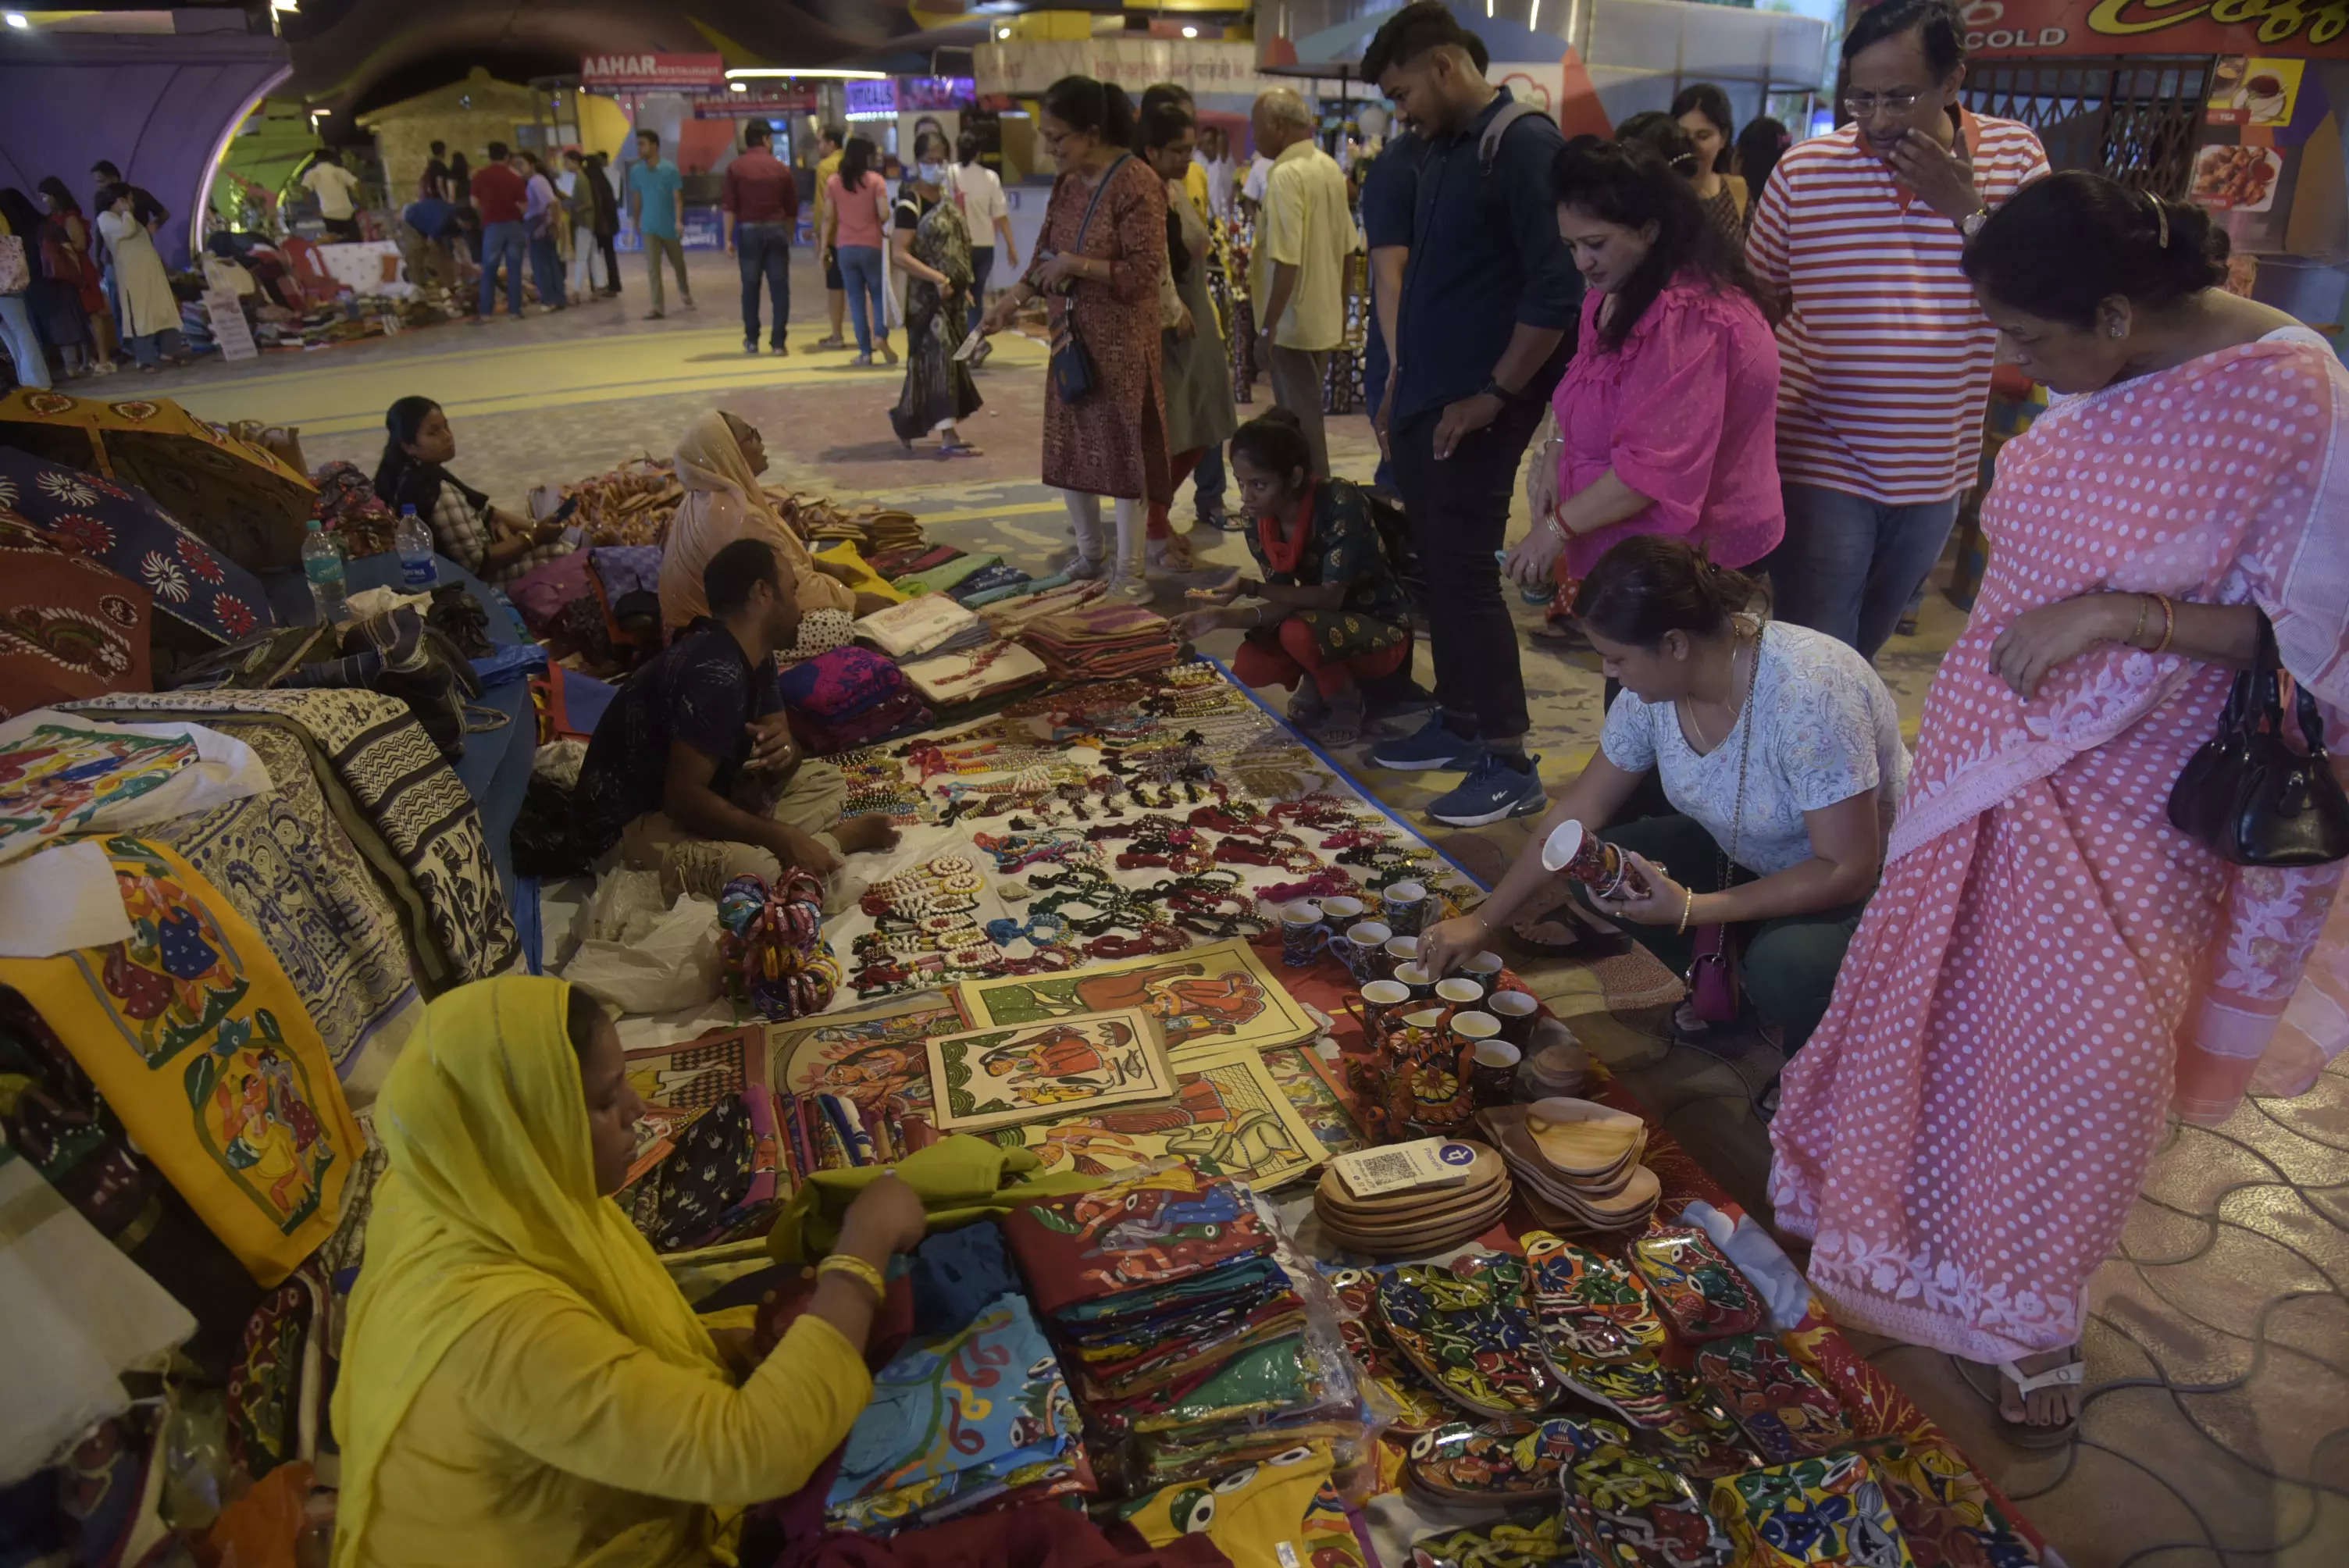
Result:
[2048,959]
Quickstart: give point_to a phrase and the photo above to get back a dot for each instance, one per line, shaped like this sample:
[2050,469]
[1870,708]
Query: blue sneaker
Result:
[1494,790]
[1430,747]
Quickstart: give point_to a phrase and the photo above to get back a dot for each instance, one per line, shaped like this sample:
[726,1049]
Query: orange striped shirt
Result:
[1885,356]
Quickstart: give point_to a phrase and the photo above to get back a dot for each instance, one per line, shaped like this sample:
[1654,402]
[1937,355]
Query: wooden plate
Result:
[1482,1175]
[1582,1137]
[1401,1241]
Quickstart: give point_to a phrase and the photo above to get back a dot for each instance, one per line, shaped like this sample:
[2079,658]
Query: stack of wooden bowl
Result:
[1578,1162]
[1420,1219]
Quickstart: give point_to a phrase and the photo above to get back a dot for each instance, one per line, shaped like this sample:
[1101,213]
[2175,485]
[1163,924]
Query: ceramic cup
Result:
[1399,951]
[1493,1069]
[1485,967]
[1302,933]
[1358,948]
[1519,1012]
[1459,991]
[1418,981]
[1342,912]
[1574,852]
[1381,999]
[1372,936]
[1406,907]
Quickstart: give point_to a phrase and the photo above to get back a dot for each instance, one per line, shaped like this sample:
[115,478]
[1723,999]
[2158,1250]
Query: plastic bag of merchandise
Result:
[641,954]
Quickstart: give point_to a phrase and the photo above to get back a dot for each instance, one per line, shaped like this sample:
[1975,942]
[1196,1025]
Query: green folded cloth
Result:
[959,1179]
[938,579]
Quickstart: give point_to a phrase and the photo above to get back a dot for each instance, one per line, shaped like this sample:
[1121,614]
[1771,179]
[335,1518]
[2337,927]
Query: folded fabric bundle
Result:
[928,560]
[861,578]
[1017,591]
[1014,616]
[890,561]
[902,711]
[627,569]
[1002,574]
[966,675]
[939,579]
[917,626]
[1177,1320]
[959,1179]
[1099,641]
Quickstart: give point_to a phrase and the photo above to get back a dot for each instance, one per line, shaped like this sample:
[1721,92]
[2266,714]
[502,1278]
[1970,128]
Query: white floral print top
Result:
[1825,729]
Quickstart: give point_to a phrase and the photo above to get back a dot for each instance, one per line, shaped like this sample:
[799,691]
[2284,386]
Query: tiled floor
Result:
[2217,1430]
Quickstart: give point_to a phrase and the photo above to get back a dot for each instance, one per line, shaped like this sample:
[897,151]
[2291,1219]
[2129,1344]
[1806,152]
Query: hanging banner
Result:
[653,71]
[2002,30]
[770,101]
[1022,67]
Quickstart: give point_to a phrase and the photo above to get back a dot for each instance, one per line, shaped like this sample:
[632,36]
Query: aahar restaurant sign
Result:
[2042,28]
[653,71]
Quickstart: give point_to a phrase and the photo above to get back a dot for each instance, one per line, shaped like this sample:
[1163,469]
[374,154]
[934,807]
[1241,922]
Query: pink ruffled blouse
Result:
[1686,414]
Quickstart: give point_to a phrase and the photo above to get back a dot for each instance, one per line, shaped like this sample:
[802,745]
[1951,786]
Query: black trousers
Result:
[1459,509]
[610,261]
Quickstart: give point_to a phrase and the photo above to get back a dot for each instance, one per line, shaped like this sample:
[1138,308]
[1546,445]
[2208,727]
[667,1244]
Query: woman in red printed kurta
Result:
[2048,961]
[1101,279]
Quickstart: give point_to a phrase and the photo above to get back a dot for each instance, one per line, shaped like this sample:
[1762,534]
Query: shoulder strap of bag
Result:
[1102,185]
[1488,146]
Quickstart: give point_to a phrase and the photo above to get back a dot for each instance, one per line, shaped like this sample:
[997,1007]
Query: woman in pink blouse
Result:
[1667,417]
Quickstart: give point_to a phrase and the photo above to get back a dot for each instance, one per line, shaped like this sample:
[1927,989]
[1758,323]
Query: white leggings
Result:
[1132,520]
[586,256]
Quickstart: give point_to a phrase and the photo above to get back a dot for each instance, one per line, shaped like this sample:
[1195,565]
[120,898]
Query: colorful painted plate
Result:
[1788,1413]
[1696,1284]
[1589,1307]
[1637,1389]
[1488,1461]
[1541,1543]
[1823,1513]
[1417,1403]
[1697,1438]
[1469,1336]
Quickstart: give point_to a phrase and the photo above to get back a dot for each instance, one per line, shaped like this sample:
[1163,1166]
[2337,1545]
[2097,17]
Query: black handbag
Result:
[1074,375]
[2246,794]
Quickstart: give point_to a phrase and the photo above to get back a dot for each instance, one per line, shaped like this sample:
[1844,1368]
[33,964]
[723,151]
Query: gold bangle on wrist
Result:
[1688,903]
[857,1269]
[2168,624]
[2143,608]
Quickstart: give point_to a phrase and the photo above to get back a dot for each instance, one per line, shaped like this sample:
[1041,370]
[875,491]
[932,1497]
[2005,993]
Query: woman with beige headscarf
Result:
[719,462]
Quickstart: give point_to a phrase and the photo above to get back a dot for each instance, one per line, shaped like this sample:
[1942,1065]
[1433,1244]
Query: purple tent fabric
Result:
[155,105]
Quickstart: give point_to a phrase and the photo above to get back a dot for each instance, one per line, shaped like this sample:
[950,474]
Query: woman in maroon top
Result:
[1101,278]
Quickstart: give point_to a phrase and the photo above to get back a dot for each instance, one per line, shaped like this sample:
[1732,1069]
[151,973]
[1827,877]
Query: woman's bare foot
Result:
[2049,1408]
[869,831]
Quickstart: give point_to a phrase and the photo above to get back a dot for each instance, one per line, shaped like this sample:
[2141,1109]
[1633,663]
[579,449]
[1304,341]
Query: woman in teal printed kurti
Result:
[1328,605]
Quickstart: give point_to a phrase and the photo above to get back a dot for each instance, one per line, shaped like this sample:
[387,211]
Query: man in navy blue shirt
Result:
[1490,298]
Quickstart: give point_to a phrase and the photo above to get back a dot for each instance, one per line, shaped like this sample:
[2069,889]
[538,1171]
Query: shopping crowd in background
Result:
[1754,377]
[77,287]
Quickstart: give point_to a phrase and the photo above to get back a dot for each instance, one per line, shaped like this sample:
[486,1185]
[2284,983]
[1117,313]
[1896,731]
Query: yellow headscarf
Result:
[490,1195]
[710,460]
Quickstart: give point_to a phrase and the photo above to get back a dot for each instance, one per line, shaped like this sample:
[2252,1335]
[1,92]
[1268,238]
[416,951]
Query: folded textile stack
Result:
[966,675]
[1182,1329]
[1362,1211]
[916,626]
[1102,641]
[988,580]
[964,1417]
[846,699]
[1578,1161]
[943,578]
[820,521]
[1010,617]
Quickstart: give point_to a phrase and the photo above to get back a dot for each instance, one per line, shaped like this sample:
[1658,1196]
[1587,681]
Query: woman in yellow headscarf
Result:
[719,462]
[521,1384]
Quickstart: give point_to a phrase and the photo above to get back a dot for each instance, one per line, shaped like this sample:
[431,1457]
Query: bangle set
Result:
[857,1269]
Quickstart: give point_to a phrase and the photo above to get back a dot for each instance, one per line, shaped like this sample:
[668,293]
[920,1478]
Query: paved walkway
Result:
[2220,1342]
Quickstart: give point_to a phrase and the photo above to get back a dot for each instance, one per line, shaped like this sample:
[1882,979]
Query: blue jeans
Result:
[1208,483]
[502,243]
[546,268]
[150,350]
[1376,365]
[1849,565]
[23,345]
[982,262]
[861,270]
[764,250]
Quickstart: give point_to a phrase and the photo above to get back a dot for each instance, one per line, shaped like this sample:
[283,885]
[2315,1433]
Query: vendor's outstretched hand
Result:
[1649,895]
[803,850]
[885,1218]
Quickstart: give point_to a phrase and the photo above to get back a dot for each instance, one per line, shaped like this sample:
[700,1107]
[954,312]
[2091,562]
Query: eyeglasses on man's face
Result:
[1863,106]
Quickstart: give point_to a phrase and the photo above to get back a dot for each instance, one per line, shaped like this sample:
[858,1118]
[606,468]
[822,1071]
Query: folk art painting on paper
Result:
[1002,1077]
[1227,1116]
[1204,998]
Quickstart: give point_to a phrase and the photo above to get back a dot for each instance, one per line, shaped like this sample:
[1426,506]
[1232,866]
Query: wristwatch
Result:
[1971,225]
[1493,388]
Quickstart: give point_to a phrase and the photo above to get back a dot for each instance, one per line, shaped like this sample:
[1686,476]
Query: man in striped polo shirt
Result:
[1886,357]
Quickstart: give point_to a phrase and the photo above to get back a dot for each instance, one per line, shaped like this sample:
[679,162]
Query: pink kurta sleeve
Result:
[1667,417]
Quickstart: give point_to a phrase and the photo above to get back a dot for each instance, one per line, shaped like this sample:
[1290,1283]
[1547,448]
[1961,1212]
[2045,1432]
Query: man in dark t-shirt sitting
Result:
[693,772]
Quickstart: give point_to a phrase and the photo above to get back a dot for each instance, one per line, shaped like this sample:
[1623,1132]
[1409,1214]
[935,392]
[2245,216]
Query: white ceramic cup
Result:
[1342,912]
[1486,966]
[1459,991]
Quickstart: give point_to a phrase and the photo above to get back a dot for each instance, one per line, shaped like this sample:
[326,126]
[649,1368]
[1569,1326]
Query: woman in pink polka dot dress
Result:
[2048,961]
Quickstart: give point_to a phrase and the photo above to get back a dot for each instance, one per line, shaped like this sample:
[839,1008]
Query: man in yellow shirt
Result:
[829,142]
[1304,231]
